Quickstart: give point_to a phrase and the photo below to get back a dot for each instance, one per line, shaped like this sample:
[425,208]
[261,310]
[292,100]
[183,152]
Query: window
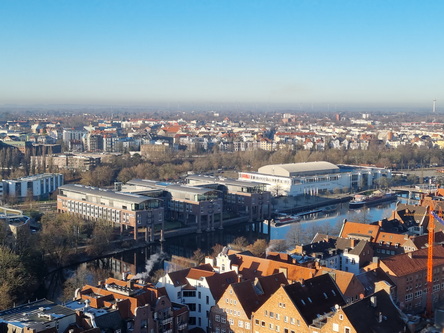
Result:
[217,318]
[189,293]
[278,316]
[256,321]
[263,323]
[335,327]
[207,299]
[271,326]
[346,330]
[247,325]
[240,323]
[286,319]
[223,320]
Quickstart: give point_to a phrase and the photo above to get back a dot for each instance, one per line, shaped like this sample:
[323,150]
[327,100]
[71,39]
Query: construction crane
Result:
[432,217]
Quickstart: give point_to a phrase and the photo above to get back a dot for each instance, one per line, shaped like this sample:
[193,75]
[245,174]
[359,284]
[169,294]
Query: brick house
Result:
[141,307]
[409,273]
[293,308]
[233,311]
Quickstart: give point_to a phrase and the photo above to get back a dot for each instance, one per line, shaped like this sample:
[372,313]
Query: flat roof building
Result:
[127,210]
[239,196]
[315,178]
[190,205]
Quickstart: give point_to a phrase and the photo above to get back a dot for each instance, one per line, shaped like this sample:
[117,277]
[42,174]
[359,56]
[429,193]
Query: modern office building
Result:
[315,178]
[191,205]
[126,210]
[239,196]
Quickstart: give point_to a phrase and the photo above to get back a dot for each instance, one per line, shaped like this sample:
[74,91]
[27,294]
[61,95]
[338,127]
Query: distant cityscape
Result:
[82,188]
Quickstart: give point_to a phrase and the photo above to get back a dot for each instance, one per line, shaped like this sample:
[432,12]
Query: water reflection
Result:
[139,260]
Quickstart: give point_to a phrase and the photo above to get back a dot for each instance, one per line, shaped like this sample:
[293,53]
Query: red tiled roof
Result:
[408,263]
[359,229]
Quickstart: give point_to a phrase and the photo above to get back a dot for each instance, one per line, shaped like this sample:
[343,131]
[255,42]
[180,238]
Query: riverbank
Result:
[282,204]
[294,205]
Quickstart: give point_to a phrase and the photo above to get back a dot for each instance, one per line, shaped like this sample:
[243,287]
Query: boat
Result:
[375,198]
[283,220]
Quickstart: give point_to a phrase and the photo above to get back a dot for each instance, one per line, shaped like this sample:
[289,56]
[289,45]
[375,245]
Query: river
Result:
[153,256]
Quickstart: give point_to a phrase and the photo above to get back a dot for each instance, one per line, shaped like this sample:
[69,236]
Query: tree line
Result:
[178,165]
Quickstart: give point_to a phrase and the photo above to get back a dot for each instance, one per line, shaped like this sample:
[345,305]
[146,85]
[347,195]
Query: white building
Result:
[314,178]
[37,186]
[199,288]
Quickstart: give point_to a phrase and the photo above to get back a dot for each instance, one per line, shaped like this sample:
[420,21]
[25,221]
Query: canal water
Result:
[148,259]
[331,222]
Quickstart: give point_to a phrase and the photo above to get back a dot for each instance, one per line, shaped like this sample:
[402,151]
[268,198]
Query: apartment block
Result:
[37,186]
[65,162]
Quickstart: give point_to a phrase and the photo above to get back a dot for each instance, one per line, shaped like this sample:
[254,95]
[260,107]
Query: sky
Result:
[296,52]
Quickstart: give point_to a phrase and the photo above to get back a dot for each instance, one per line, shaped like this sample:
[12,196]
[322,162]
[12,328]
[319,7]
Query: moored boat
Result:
[375,198]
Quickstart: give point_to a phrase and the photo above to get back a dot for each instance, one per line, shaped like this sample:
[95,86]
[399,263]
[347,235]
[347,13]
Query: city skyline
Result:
[337,53]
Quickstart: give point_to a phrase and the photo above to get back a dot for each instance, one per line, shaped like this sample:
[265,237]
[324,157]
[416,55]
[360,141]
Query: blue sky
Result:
[277,51]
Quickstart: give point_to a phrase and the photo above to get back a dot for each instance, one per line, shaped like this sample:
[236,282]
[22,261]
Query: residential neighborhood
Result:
[366,276]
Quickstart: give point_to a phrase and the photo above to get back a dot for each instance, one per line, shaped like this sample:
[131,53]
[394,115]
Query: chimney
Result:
[130,284]
[373,301]
[380,223]
[352,243]
[380,317]
[239,278]
[409,255]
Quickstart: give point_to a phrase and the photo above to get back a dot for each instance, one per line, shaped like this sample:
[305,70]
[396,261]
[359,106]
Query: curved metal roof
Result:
[299,169]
